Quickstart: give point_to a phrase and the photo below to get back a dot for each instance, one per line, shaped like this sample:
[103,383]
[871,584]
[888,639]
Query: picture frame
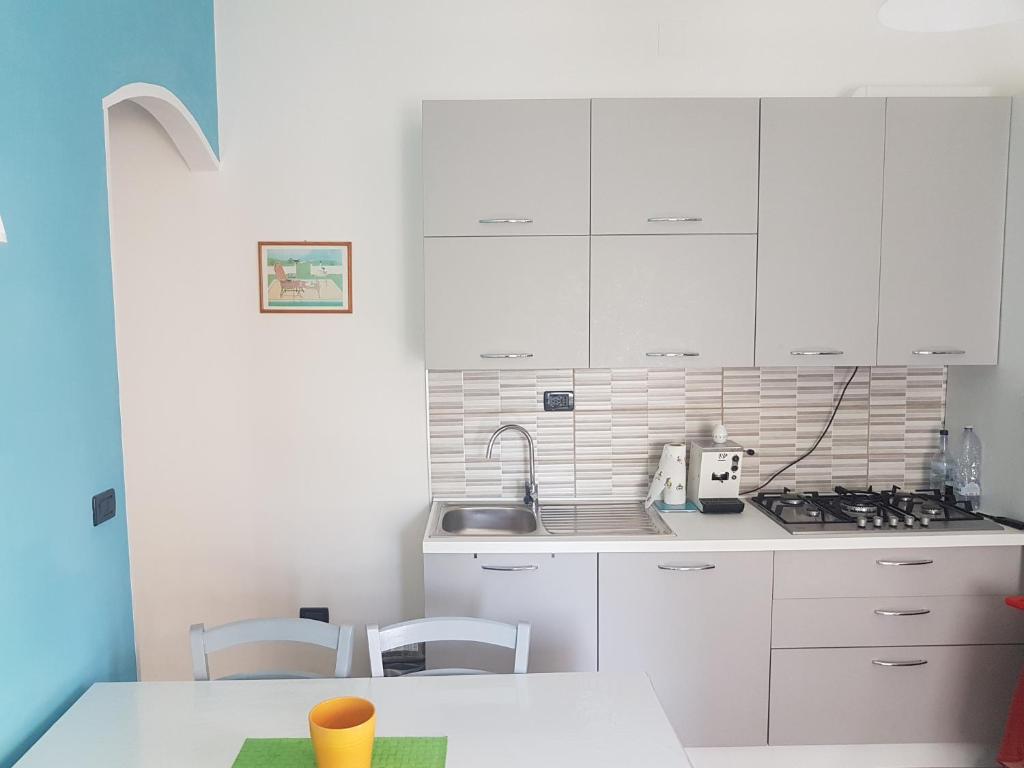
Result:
[305,277]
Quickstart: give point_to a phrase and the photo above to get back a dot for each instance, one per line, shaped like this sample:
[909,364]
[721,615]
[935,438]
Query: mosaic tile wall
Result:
[884,433]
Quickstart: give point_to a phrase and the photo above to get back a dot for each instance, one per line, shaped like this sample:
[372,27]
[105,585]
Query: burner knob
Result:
[925,522]
[813,512]
[894,521]
[909,520]
[878,521]
[862,522]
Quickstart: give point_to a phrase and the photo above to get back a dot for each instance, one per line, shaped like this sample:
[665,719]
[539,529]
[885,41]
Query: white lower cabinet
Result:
[905,694]
[557,594]
[699,625]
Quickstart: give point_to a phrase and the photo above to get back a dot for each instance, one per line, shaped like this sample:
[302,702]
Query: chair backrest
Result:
[307,631]
[451,628]
[279,273]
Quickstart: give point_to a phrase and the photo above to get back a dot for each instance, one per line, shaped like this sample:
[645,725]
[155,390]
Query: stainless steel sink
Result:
[467,520]
[563,517]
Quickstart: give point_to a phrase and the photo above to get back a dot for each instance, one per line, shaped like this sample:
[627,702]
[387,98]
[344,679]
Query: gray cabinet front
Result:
[506,302]
[672,301]
[506,167]
[909,694]
[942,230]
[684,166]
[556,594]
[698,624]
[819,223]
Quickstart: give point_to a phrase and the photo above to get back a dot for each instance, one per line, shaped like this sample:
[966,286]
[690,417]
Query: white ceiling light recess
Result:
[948,15]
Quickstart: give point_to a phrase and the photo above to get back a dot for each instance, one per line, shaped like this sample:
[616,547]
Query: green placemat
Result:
[388,752]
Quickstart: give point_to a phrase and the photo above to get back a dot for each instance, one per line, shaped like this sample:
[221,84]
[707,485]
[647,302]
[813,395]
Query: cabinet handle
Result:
[505,355]
[675,219]
[696,567]
[673,354]
[900,663]
[505,221]
[904,562]
[899,612]
[939,352]
[816,352]
[509,568]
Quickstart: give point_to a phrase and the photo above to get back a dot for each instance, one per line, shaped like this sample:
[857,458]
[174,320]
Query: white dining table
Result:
[491,721]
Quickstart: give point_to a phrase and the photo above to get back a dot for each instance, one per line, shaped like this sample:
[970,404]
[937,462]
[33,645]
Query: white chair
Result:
[457,629]
[306,631]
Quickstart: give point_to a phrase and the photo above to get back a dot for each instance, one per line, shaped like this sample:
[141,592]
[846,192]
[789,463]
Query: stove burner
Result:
[859,507]
[869,513]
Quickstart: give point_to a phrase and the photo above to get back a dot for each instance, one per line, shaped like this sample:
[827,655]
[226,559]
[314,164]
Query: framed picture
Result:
[311,277]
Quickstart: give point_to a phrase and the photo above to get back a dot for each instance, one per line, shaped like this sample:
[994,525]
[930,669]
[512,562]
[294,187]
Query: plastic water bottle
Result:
[968,468]
[940,469]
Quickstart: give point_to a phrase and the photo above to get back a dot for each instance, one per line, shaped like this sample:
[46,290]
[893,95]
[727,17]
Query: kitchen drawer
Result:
[842,696]
[912,571]
[865,621]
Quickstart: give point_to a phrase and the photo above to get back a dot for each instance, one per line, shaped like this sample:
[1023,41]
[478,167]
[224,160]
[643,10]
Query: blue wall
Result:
[65,594]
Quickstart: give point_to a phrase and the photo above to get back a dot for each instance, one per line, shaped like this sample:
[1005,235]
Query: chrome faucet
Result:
[531,485]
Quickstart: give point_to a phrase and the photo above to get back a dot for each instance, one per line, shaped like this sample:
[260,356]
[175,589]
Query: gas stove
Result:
[870,511]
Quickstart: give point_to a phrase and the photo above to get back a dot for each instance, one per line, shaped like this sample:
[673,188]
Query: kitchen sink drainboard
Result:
[625,519]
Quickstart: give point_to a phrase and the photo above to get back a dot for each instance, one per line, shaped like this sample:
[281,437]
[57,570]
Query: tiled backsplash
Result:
[884,433]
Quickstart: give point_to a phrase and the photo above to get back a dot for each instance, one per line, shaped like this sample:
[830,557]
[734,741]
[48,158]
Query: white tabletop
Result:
[491,721]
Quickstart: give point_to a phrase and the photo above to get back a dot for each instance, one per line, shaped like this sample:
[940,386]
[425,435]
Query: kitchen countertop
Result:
[748,531]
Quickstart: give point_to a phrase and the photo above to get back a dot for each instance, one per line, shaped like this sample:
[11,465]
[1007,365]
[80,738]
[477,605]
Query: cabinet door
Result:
[506,302]
[557,594]
[942,230]
[892,695]
[699,625]
[506,167]
[819,219]
[672,301]
[674,165]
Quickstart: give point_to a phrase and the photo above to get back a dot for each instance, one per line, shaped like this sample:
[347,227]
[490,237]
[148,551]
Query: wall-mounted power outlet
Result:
[104,506]
[316,614]
[558,401]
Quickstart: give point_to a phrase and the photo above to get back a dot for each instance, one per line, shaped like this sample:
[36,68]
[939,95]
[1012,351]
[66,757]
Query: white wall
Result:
[277,461]
[991,398]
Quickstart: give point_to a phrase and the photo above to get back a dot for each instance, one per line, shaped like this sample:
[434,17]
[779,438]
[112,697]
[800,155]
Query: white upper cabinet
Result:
[674,166]
[819,226]
[672,301]
[942,230]
[506,167]
[506,302]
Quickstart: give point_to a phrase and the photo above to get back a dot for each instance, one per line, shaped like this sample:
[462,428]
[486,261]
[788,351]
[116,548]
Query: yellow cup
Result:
[342,732]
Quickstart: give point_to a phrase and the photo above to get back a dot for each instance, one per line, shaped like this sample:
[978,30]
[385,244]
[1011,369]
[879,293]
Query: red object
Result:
[1011,751]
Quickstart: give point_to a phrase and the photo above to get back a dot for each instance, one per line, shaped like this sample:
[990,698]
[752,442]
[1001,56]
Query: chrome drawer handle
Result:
[509,568]
[505,221]
[675,219]
[898,612]
[816,352]
[904,562]
[901,663]
[939,352]
[673,354]
[696,567]
[505,355]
